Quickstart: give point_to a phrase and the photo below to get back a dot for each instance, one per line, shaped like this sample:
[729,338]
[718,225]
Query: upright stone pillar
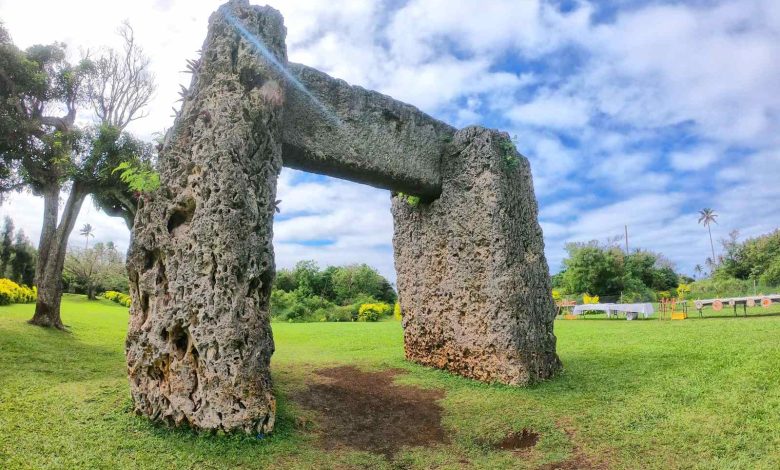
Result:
[201,261]
[473,280]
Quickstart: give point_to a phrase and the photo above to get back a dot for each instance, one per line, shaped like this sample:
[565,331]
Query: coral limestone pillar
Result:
[473,280]
[201,261]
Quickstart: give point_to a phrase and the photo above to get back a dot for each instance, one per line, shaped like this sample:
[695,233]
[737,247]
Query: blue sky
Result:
[638,113]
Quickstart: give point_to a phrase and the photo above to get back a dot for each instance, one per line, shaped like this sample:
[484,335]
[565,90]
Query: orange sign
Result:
[766,302]
[717,305]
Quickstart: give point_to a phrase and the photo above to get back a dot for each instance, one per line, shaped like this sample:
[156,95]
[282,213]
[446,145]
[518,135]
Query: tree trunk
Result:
[51,253]
[712,246]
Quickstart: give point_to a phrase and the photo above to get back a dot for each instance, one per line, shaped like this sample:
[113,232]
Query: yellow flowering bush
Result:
[590,299]
[118,297]
[397,311]
[373,312]
[683,290]
[13,293]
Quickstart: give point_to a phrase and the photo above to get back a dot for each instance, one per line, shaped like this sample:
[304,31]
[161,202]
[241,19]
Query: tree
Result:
[594,269]
[49,154]
[338,284]
[756,258]
[87,231]
[697,270]
[349,282]
[707,217]
[95,267]
[118,91]
[606,270]
[121,85]
[6,245]
[23,261]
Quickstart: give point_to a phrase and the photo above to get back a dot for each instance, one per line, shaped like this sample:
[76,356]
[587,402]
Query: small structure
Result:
[669,309]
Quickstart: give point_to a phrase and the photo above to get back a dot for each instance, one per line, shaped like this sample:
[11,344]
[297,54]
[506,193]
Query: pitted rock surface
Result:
[201,262]
[472,277]
[473,281]
[361,135]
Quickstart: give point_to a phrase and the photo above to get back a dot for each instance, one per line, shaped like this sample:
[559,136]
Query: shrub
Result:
[373,312]
[590,299]
[397,314]
[13,293]
[683,290]
[118,297]
[343,313]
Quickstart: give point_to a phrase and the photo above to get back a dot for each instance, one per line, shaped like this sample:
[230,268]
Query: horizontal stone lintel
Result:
[336,129]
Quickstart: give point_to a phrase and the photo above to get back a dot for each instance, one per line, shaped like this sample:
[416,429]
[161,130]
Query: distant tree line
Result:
[87,270]
[607,270]
[336,293]
[17,255]
[753,259]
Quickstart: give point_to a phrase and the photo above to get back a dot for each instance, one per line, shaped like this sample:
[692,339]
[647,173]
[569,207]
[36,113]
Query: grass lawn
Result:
[643,394]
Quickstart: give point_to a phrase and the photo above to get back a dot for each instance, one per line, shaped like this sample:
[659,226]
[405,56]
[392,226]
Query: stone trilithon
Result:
[473,281]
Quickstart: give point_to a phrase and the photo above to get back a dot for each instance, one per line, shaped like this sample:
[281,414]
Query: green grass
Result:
[642,394]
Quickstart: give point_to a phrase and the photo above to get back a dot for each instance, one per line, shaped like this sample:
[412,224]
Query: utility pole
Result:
[626,226]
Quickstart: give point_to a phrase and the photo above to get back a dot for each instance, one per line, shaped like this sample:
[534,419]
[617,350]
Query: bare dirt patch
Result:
[366,411]
[518,441]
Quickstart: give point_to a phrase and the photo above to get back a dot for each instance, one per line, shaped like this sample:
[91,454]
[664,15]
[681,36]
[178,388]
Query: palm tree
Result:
[87,231]
[706,217]
[697,270]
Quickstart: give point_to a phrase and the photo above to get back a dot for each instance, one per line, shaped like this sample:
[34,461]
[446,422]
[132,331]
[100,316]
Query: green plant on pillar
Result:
[412,201]
[508,152]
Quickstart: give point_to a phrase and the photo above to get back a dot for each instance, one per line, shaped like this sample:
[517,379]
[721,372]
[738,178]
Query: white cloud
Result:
[599,131]
[552,111]
[698,159]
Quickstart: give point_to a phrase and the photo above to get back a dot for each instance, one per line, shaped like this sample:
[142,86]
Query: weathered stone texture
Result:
[473,280]
[361,135]
[472,277]
[201,261]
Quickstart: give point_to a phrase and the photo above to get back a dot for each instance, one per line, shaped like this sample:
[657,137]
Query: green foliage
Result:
[13,293]
[373,311]
[755,258]
[95,269]
[23,260]
[6,244]
[340,285]
[729,287]
[412,201]
[139,177]
[508,152]
[117,297]
[17,255]
[607,271]
[301,305]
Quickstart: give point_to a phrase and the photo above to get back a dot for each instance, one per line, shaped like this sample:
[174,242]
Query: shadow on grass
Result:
[38,353]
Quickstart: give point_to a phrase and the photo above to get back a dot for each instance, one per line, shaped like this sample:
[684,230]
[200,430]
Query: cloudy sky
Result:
[638,113]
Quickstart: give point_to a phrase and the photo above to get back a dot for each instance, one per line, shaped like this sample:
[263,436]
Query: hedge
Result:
[118,297]
[13,293]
